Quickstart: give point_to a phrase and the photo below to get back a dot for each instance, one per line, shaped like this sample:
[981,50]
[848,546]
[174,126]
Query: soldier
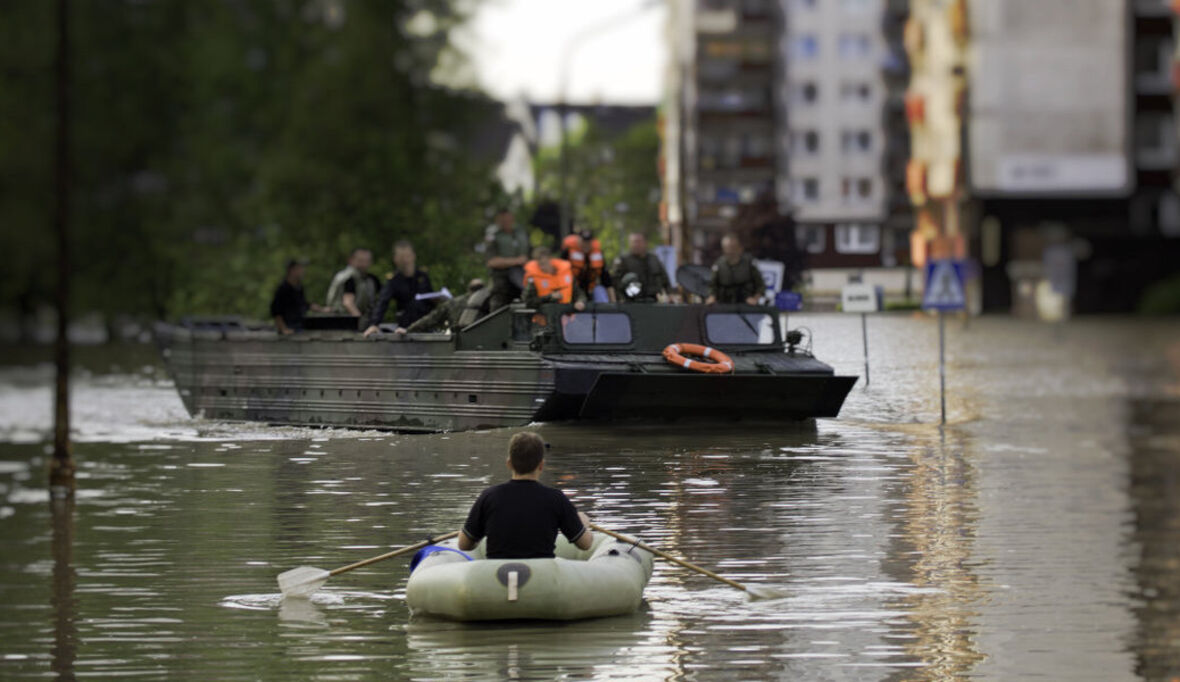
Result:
[650,282]
[735,278]
[354,289]
[507,248]
[455,313]
[550,280]
[404,287]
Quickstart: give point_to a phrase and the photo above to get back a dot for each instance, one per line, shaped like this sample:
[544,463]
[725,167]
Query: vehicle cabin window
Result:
[602,328]
[740,329]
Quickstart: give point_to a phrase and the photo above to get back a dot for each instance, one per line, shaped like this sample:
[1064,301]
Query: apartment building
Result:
[1044,147]
[799,103]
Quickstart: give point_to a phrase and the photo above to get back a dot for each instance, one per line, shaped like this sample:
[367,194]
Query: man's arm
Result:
[714,286]
[281,325]
[587,538]
[466,544]
[758,283]
[379,309]
[349,303]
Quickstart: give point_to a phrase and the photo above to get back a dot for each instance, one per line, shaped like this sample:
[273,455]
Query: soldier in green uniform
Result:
[455,313]
[735,278]
[650,278]
[507,248]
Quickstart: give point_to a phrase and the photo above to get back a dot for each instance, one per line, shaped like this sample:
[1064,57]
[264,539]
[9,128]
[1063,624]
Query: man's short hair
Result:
[360,249]
[526,450]
[541,253]
[402,244]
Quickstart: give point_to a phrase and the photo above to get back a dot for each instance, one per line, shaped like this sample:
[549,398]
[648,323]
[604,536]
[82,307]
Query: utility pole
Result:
[61,469]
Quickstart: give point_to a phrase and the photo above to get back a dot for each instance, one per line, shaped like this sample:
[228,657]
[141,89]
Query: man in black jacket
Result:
[404,286]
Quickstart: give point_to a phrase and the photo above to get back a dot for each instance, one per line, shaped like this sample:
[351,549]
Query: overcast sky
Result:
[517,46]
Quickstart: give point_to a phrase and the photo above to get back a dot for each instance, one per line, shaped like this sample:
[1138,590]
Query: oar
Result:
[755,591]
[303,581]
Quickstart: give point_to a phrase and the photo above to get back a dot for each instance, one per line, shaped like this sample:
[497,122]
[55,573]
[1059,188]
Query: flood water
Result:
[1037,536]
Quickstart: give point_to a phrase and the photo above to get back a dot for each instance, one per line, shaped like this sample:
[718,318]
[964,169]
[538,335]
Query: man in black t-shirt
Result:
[289,305]
[521,518]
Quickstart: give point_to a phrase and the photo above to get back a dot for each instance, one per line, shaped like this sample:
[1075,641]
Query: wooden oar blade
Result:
[758,592]
[302,582]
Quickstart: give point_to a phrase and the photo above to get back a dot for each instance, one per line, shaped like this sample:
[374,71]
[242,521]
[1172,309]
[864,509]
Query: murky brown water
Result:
[1037,536]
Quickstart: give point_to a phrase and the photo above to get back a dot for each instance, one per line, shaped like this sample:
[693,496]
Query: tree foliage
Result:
[613,182]
[216,138]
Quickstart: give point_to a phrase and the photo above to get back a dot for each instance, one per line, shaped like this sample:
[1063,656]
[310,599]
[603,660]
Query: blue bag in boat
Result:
[431,549]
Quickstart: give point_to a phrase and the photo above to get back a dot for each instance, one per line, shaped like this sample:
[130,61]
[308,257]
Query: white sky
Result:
[516,47]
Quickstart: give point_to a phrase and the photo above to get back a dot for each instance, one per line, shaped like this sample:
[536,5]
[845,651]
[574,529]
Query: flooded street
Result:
[1036,536]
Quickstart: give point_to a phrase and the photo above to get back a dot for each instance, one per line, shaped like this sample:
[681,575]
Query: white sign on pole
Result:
[859,298]
[772,273]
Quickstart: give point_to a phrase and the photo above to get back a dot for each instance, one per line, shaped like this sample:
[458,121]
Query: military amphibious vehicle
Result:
[510,368]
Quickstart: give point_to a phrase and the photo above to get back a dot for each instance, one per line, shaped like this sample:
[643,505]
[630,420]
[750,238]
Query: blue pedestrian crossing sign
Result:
[944,286]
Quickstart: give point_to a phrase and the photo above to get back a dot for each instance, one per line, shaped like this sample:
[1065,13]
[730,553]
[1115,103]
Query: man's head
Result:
[403,256]
[475,285]
[361,259]
[295,268]
[731,246]
[572,242]
[526,453]
[637,244]
[505,220]
[544,258]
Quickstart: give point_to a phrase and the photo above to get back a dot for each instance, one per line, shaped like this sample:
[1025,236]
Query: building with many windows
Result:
[798,103]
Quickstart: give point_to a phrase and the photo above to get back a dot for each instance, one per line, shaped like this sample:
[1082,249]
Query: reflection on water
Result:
[1037,535]
[65,606]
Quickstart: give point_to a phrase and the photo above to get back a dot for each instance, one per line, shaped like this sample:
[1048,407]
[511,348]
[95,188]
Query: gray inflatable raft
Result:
[605,580]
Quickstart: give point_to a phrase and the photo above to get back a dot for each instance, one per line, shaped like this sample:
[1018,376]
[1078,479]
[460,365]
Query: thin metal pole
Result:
[61,469]
[864,333]
[942,363]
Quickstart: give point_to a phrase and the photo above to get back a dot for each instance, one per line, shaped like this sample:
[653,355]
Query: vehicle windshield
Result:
[593,327]
[740,328]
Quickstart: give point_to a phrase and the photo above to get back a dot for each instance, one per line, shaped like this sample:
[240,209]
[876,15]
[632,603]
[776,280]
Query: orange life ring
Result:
[715,362]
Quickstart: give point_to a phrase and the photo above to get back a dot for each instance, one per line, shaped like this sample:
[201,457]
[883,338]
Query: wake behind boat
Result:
[510,368]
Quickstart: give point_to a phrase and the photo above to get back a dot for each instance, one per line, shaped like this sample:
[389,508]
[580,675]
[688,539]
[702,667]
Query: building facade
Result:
[798,103]
[1044,144]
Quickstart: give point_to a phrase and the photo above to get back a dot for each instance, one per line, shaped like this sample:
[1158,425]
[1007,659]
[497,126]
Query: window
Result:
[856,141]
[806,93]
[755,146]
[854,46]
[739,328]
[855,6]
[806,4]
[864,188]
[855,93]
[604,328]
[807,189]
[805,47]
[811,238]
[807,141]
[858,238]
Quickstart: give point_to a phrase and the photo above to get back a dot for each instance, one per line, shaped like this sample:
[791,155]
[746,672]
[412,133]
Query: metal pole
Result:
[563,205]
[942,363]
[864,333]
[61,469]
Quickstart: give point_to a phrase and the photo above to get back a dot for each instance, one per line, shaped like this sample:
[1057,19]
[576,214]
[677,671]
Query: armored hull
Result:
[510,368]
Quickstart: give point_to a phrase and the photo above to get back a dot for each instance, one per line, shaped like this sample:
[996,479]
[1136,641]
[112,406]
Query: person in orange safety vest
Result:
[550,280]
[584,253]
